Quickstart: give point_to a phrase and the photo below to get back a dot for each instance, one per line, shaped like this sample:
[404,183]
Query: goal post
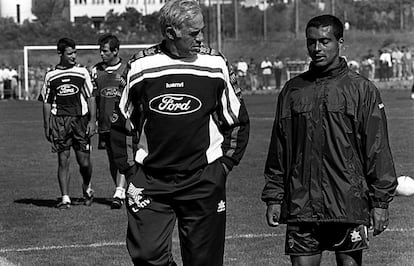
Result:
[28,48]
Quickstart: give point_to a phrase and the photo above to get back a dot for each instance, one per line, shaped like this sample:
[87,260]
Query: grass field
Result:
[33,232]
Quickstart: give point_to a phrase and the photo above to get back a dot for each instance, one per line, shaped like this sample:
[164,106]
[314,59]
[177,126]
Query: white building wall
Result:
[99,8]
[213,2]
[8,9]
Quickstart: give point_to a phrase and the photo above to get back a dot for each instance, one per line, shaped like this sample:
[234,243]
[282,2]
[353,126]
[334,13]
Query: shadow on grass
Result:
[52,203]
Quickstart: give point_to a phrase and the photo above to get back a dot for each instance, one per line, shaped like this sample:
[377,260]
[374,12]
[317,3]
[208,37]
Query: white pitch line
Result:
[113,244]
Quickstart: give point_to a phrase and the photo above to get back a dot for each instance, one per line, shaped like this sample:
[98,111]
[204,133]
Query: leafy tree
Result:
[50,10]
[132,18]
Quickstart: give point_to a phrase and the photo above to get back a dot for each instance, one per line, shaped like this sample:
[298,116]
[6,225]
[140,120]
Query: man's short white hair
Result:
[176,12]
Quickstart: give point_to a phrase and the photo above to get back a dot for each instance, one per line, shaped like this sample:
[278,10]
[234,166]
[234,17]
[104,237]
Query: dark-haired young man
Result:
[69,117]
[106,76]
[329,168]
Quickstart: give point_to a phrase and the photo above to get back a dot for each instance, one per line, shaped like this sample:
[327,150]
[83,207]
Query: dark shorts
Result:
[69,131]
[305,239]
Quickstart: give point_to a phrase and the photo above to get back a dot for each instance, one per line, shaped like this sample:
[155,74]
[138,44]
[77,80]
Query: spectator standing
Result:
[385,64]
[193,128]
[372,62]
[278,70]
[329,169]
[407,63]
[7,78]
[365,67]
[69,116]
[253,74]
[266,67]
[106,76]
[14,83]
[242,69]
[397,56]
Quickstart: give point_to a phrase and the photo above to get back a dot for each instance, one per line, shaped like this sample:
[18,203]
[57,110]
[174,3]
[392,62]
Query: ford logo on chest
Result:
[67,90]
[110,92]
[175,104]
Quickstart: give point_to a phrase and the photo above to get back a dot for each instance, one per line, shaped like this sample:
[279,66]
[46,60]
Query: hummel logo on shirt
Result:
[174,85]
[221,206]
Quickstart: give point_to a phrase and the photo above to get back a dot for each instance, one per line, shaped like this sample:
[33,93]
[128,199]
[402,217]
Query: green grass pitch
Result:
[33,232]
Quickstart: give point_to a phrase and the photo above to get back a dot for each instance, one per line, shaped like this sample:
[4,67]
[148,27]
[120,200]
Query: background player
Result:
[106,77]
[69,115]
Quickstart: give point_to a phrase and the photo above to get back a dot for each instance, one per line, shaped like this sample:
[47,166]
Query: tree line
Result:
[132,27]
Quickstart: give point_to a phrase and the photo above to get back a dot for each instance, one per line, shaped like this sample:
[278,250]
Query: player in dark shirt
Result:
[69,118]
[106,76]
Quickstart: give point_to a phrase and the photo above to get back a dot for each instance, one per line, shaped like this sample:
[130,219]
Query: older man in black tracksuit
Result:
[329,168]
[193,128]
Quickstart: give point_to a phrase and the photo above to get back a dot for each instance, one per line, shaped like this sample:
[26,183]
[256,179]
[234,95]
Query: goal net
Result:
[33,73]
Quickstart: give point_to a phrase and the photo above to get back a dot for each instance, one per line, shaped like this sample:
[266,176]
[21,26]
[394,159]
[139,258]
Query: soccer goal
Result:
[26,69]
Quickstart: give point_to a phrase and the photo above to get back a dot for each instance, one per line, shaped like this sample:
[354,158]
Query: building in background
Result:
[97,9]
[21,10]
[18,10]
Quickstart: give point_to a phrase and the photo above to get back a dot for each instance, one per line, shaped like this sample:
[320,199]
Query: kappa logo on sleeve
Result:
[381,106]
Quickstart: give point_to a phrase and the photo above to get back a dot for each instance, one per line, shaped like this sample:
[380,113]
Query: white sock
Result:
[87,188]
[119,193]
[65,199]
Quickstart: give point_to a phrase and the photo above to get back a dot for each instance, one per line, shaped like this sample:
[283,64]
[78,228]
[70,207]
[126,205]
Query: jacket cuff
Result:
[273,202]
[379,204]
[227,161]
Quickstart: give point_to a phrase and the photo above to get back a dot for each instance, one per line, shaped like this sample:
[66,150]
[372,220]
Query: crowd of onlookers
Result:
[396,63]
[264,75]
[8,82]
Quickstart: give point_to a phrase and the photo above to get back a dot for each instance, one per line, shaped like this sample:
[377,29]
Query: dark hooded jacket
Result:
[329,158]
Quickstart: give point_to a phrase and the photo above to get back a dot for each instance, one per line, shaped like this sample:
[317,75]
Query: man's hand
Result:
[273,214]
[91,128]
[47,134]
[380,220]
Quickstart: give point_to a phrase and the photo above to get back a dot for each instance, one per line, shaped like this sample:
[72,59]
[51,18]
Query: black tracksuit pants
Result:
[196,201]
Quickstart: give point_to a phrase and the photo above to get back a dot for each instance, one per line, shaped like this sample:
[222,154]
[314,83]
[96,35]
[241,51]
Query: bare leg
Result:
[349,259]
[120,180]
[312,260]
[63,171]
[85,166]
